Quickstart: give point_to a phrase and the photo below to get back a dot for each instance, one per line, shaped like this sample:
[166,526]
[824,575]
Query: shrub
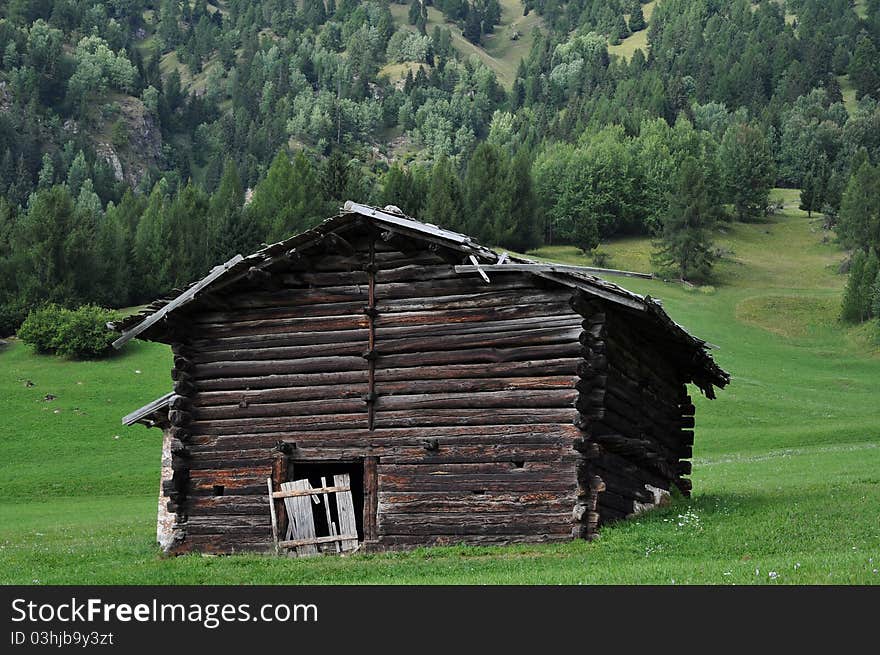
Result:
[79,333]
[601,258]
[40,328]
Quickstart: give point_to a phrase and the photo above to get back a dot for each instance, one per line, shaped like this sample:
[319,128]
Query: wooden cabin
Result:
[378,382]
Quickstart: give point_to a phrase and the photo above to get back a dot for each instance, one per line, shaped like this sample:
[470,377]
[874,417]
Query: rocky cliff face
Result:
[143,147]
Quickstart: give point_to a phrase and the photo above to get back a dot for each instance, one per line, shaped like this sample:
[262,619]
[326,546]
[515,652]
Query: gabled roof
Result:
[481,260]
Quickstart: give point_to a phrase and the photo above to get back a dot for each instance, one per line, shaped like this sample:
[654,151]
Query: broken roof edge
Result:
[232,270]
[138,415]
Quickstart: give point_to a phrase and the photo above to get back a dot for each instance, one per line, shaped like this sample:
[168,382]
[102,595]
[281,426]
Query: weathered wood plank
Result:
[311,491]
[371,498]
[272,512]
[300,543]
[345,510]
[300,516]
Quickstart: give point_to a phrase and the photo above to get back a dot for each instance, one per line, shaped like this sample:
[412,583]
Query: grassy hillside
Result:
[498,52]
[786,483]
[639,39]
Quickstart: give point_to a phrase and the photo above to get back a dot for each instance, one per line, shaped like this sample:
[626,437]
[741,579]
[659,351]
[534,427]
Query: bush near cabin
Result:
[80,333]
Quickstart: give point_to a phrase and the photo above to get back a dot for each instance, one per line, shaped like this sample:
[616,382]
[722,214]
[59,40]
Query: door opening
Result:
[322,474]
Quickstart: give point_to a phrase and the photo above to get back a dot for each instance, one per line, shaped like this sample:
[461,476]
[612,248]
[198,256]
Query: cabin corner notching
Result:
[377,382]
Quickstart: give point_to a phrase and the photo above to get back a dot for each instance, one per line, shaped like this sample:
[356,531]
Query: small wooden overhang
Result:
[152,414]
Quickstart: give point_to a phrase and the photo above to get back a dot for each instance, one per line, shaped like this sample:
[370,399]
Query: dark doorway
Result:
[314,471]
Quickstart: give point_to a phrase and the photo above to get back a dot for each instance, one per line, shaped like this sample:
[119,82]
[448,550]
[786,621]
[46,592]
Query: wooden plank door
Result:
[301,523]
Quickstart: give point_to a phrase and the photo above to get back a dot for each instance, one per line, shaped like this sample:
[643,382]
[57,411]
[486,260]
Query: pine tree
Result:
[271,199]
[415,12]
[54,242]
[517,228]
[859,222]
[864,68]
[288,201]
[113,244]
[7,170]
[875,297]
[334,177]
[814,186]
[46,177]
[485,195]
[187,219]
[77,174]
[746,163]
[225,216]
[685,243]
[405,189]
[866,286]
[637,17]
[152,252]
[620,29]
[445,203]
[314,12]
[21,187]
[852,295]
[473,26]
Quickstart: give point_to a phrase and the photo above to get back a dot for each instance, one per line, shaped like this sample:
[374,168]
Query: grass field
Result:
[786,467]
[849,94]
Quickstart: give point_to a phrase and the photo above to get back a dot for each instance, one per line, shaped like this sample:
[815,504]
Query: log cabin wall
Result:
[481,378]
[374,347]
[636,416]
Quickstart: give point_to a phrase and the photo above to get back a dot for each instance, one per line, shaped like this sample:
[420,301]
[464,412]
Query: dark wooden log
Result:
[280,340]
[416,273]
[416,502]
[488,313]
[472,400]
[481,355]
[260,396]
[393,419]
[278,381]
[497,340]
[461,301]
[476,524]
[179,418]
[616,502]
[331,364]
[287,322]
[409,541]
[540,481]
[503,468]
[387,419]
[489,434]
[281,409]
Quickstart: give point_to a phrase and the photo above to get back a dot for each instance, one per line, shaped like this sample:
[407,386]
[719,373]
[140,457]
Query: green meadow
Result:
[786,463]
